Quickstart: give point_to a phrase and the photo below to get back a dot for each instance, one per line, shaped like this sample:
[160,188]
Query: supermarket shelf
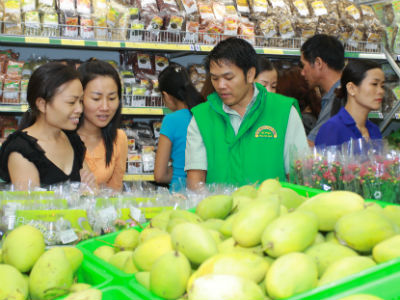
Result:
[375,115]
[18,108]
[379,115]
[291,47]
[138,177]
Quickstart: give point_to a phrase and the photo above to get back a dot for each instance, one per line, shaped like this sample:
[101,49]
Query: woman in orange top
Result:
[107,146]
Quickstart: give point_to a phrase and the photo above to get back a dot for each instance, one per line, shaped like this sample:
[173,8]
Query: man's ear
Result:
[251,75]
[41,104]
[319,63]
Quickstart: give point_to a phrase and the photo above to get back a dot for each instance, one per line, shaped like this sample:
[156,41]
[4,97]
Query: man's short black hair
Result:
[236,51]
[327,47]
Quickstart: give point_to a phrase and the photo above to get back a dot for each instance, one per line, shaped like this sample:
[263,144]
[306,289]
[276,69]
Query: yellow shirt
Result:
[112,175]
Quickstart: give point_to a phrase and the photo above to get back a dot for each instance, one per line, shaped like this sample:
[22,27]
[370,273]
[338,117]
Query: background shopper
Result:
[362,90]
[267,74]
[180,96]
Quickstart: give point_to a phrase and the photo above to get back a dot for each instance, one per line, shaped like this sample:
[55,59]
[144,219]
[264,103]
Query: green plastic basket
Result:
[89,246]
[382,281]
[119,293]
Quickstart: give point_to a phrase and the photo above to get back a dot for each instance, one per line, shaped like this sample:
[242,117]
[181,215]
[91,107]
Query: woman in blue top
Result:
[361,91]
[179,96]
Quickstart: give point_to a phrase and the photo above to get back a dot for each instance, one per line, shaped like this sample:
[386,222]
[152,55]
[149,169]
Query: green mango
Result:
[239,202]
[289,198]
[74,256]
[330,207]
[89,294]
[362,230]
[51,276]
[172,286]
[143,278]
[195,242]
[250,223]
[148,233]
[319,239]
[331,237]
[1,256]
[213,224]
[326,253]
[293,232]
[225,287]
[344,267]
[291,274]
[104,252]
[217,236]
[240,263]
[173,222]
[147,253]
[245,190]
[361,297]
[127,239]
[161,220]
[387,249]
[123,261]
[214,207]
[267,187]
[186,215]
[22,247]
[230,245]
[226,228]
[392,212]
[13,284]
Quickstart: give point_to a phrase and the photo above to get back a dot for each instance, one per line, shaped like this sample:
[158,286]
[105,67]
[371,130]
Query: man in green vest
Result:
[242,134]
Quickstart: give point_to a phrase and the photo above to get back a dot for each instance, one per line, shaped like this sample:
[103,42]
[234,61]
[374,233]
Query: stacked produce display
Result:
[269,243]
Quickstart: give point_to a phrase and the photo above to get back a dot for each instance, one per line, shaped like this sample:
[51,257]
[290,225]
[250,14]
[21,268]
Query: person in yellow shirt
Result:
[107,146]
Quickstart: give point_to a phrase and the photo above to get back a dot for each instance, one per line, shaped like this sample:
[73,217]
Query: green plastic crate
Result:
[119,293]
[382,281]
[89,246]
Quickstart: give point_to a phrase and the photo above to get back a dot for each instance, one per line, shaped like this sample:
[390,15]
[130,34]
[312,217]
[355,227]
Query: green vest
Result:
[257,151]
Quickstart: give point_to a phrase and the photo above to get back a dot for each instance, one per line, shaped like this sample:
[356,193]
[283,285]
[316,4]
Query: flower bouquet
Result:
[370,169]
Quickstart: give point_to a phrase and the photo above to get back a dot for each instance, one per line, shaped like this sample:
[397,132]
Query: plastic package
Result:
[28,5]
[258,8]
[32,23]
[86,29]
[50,26]
[12,17]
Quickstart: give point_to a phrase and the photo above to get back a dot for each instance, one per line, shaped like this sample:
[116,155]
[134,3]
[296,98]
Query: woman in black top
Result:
[46,150]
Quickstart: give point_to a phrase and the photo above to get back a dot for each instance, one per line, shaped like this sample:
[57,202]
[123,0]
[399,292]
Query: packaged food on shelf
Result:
[12,17]
[49,23]
[28,5]
[258,8]
[32,23]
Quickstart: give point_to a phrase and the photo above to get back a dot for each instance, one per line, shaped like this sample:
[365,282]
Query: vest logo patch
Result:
[266,132]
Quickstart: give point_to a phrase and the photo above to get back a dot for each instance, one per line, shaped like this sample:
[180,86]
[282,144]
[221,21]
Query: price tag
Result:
[68,236]
[136,213]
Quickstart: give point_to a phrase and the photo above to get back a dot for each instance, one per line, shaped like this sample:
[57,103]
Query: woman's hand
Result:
[87,177]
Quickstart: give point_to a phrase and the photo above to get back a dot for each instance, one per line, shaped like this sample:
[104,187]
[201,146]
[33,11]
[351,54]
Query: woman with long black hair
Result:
[107,146]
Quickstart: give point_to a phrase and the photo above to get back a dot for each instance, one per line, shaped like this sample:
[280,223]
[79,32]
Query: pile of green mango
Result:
[265,243]
[28,271]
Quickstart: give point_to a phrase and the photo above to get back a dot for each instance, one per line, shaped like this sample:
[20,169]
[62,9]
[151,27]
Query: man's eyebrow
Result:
[227,73]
